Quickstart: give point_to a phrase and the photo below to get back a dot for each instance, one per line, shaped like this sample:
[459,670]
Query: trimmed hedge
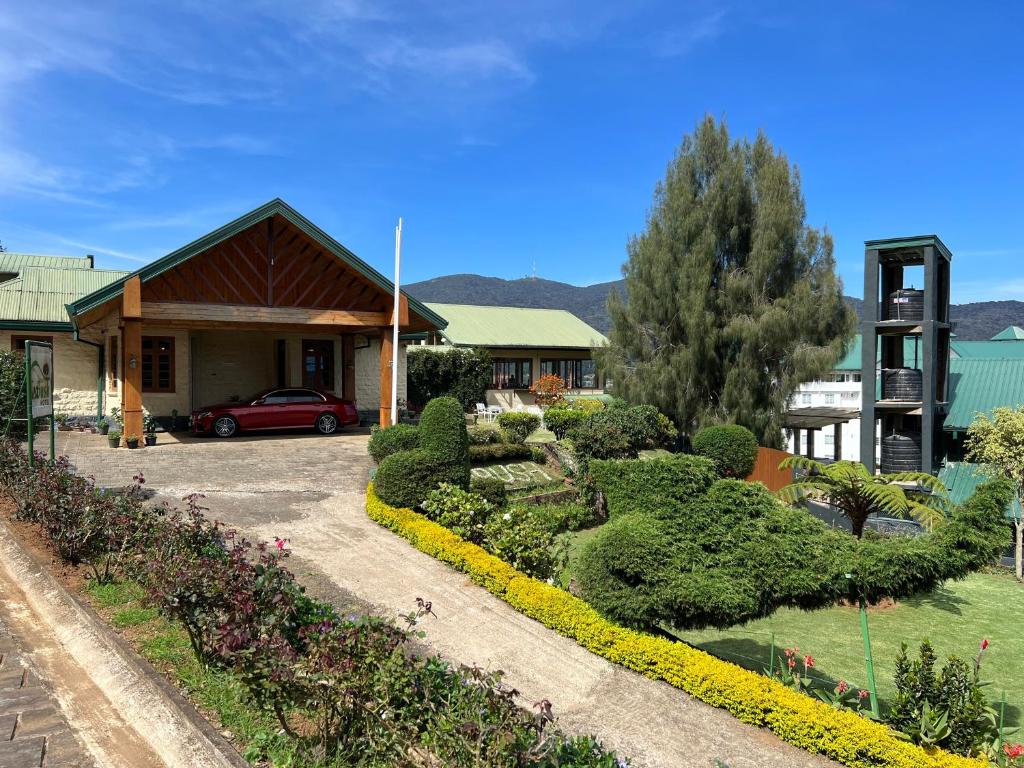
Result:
[643,485]
[561,420]
[443,431]
[798,719]
[400,437]
[479,454]
[733,448]
[405,478]
[491,489]
[517,426]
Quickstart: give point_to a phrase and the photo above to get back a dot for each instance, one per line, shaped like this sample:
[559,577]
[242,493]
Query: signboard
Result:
[39,362]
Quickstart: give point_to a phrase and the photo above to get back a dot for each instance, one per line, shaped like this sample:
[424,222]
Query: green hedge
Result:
[491,489]
[561,420]
[463,374]
[400,437]
[443,431]
[733,448]
[407,477]
[516,426]
[645,486]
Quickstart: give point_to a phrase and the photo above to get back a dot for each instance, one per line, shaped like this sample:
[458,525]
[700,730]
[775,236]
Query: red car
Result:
[276,409]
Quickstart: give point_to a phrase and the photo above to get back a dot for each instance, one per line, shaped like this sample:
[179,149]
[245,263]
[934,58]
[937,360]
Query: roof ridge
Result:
[502,306]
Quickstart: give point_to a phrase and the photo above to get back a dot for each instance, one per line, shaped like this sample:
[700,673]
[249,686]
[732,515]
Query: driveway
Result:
[311,490]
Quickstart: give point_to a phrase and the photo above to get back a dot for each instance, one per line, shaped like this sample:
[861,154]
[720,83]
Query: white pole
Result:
[395,319]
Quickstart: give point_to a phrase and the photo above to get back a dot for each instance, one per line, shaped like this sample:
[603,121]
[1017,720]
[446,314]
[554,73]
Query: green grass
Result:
[954,618]
[540,436]
[133,616]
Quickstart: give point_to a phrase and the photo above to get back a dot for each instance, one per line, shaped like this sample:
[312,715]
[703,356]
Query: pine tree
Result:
[732,301]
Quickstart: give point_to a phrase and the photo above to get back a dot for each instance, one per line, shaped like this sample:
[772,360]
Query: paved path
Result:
[310,490]
[33,729]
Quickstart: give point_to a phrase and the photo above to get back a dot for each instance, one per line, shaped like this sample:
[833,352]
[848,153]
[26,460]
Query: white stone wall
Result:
[368,374]
[75,372]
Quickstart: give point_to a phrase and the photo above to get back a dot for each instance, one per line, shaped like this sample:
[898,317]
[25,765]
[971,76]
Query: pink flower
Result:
[863,694]
[984,644]
[790,653]
[842,687]
[791,663]
[279,543]
[1013,751]
[808,660]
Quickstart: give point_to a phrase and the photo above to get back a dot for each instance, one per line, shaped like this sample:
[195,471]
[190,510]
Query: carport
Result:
[810,420]
[266,300]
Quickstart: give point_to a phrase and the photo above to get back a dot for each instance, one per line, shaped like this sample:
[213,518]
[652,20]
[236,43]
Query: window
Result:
[805,398]
[512,373]
[157,363]
[830,398]
[318,364]
[114,364]
[856,377]
[850,396]
[18,342]
[575,374]
[293,396]
[829,439]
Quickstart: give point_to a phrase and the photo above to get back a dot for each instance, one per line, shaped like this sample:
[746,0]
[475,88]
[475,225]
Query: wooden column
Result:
[386,352]
[131,338]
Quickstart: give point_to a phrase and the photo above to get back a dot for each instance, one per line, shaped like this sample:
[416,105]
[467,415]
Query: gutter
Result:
[101,364]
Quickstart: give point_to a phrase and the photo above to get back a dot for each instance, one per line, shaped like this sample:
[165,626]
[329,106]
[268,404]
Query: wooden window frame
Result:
[327,344]
[23,337]
[573,368]
[520,365]
[153,386]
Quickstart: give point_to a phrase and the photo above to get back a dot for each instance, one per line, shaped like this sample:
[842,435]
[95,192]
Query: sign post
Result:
[39,392]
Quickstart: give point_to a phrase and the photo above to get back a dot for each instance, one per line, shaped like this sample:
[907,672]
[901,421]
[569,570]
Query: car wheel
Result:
[225,426]
[327,424]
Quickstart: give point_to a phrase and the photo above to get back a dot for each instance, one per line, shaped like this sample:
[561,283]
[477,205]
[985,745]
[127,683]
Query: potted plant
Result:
[114,439]
[175,426]
[102,425]
[150,430]
[62,422]
[132,441]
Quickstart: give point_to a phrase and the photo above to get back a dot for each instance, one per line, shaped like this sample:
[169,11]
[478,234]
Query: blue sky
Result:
[506,134]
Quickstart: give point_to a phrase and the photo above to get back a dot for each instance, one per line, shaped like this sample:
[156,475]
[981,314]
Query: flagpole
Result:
[395,321]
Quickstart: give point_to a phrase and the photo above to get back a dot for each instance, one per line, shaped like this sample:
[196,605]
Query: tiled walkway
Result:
[33,731]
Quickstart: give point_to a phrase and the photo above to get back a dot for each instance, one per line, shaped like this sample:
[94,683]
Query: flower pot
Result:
[150,439]
[104,429]
[132,443]
[114,441]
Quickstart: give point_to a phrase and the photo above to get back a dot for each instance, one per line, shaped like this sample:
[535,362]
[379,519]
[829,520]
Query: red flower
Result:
[984,644]
[790,653]
[842,687]
[791,663]
[279,543]
[1013,751]
[808,660]
[863,694]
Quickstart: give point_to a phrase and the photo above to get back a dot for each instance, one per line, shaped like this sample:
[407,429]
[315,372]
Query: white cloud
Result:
[680,40]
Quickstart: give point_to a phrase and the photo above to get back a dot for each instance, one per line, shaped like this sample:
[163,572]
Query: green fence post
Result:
[872,689]
[28,403]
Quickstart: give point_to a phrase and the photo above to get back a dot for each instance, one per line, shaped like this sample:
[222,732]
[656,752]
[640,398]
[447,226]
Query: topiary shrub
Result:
[490,488]
[516,426]
[443,431]
[406,478]
[734,448]
[481,434]
[481,454]
[561,420]
[646,486]
[400,437]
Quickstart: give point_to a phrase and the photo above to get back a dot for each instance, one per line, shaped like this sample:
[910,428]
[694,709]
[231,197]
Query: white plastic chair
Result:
[481,410]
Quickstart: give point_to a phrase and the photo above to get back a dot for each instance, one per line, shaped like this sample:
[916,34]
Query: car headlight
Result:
[204,414]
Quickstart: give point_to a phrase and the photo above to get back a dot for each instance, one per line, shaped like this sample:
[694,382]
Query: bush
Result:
[646,486]
[12,392]
[585,404]
[517,426]
[520,538]
[443,432]
[460,511]
[601,438]
[561,420]
[405,479]
[463,374]
[480,454]
[571,516]
[491,489]
[481,434]
[733,448]
[389,440]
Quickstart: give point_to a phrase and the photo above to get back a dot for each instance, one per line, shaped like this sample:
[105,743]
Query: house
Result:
[524,344]
[266,300]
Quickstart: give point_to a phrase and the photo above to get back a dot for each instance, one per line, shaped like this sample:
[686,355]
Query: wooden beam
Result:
[158,312]
[131,339]
[386,349]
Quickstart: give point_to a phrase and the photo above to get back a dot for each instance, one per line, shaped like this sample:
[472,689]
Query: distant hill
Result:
[980,320]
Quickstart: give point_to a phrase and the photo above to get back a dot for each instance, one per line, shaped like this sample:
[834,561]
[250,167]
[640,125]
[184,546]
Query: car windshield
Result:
[258,396]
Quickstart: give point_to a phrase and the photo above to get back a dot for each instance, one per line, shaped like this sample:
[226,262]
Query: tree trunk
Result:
[857,525]
[1018,550]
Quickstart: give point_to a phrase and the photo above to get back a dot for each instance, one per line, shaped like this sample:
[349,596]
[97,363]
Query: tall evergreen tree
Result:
[732,300]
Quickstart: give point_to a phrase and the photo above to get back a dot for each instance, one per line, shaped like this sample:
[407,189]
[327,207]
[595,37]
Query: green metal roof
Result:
[1010,333]
[851,360]
[977,385]
[471,325]
[13,263]
[914,241]
[36,299]
[961,478]
[274,207]
[993,350]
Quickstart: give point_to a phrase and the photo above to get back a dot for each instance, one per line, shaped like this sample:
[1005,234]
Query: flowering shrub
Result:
[752,698]
[521,538]
[549,389]
[461,511]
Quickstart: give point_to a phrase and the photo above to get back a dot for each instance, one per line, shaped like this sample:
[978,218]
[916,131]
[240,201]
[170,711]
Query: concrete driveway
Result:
[310,490]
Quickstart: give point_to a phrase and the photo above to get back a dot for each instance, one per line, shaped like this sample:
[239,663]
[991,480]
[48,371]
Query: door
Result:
[318,364]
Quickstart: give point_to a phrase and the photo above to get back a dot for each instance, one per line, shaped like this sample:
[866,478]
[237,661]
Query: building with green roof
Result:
[524,343]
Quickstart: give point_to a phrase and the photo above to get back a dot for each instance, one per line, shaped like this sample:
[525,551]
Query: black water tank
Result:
[901,384]
[905,304]
[901,452]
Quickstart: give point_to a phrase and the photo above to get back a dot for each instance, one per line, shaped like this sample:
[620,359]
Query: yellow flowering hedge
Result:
[798,719]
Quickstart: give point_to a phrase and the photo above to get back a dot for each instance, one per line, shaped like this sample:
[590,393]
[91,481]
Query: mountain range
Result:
[978,320]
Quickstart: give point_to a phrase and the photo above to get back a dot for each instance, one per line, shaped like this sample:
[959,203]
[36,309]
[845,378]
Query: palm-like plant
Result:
[850,488]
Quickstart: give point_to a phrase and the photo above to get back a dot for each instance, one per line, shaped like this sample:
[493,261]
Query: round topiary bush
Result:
[516,426]
[732,447]
[404,479]
[400,437]
[443,432]
[561,420]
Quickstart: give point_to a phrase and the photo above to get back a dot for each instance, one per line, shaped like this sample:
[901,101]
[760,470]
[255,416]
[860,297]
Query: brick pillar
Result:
[131,338]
